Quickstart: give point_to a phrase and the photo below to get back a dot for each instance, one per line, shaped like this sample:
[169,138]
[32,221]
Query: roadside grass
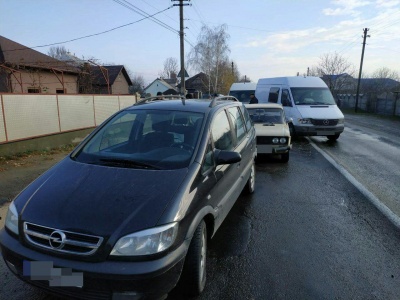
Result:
[45,153]
[350,111]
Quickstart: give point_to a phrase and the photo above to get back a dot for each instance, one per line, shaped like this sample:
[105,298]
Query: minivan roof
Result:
[243,86]
[293,81]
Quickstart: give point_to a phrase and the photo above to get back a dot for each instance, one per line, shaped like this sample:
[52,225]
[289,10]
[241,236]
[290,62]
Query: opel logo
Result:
[57,239]
[325,122]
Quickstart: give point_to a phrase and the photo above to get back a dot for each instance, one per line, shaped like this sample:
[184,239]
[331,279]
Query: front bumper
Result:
[273,149]
[101,280]
[312,130]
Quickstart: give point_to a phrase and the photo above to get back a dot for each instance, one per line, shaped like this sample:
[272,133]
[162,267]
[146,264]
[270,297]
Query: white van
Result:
[242,91]
[307,101]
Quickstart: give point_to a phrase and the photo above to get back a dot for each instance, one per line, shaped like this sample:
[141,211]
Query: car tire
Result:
[285,157]
[193,278]
[251,182]
[333,137]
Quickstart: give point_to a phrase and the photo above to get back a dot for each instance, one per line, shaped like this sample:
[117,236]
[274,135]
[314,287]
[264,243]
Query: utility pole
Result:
[361,64]
[182,36]
[233,72]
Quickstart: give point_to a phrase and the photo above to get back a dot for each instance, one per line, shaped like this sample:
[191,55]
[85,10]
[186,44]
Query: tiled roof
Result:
[15,55]
[113,71]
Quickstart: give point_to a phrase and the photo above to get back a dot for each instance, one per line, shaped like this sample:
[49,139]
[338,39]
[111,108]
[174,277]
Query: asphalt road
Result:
[306,233]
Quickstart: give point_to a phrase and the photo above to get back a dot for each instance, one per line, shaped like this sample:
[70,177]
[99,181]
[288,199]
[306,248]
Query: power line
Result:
[90,35]
[141,12]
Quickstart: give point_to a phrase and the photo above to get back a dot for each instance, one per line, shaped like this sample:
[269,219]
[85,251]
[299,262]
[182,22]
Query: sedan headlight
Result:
[146,242]
[12,218]
[275,140]
[282,140]
[305,121]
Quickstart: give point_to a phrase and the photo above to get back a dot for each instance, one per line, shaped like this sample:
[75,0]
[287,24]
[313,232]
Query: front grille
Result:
[324,122]
[60,240]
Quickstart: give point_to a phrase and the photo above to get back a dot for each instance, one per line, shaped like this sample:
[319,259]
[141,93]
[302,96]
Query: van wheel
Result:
[285,157]
[333,137]
[194,271]
[251,182]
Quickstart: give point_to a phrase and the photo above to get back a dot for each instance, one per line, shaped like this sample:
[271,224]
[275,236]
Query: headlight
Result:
[282,140]
[340,121]
[275,140]
[146,242]
[305,121]
[12,218]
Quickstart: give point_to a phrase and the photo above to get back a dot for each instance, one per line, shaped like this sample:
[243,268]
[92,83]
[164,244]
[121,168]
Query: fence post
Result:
[4,118]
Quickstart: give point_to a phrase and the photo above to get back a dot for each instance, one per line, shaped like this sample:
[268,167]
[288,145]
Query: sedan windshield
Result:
[266,115]
[144,139]
[312,96]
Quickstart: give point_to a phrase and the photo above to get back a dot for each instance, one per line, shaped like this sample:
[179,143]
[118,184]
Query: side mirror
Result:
[224,157]
[290,120]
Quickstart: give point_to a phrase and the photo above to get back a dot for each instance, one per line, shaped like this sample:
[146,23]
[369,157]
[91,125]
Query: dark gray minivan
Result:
[128,213]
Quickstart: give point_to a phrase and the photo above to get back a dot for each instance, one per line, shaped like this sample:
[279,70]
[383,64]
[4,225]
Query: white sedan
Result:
[273,134]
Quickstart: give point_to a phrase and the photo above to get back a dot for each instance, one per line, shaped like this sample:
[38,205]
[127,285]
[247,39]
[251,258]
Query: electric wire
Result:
[87,36]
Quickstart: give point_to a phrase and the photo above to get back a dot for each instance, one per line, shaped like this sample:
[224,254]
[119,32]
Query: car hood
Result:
[272,130]
[322,111]
[98,200]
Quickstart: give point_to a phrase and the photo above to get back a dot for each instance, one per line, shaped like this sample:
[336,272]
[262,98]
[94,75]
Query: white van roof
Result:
[294,81]
[243,86]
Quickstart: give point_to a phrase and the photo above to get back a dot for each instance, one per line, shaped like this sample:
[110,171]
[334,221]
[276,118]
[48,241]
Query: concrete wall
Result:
[37,117]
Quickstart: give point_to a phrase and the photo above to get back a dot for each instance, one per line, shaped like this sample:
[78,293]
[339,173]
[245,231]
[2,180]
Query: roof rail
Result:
[161,98]
[222,98]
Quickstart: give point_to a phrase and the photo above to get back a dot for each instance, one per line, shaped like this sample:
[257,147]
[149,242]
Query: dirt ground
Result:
[17,172]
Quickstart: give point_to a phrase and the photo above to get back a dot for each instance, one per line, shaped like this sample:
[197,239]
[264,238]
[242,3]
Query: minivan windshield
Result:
[312,96]
[144,139]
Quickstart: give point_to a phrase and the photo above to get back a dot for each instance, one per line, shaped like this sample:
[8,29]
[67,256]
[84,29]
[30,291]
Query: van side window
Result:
[286,98]
[273,94]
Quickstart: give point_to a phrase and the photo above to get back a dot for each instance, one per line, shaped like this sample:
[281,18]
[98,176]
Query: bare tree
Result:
[382,80]
[137,84]
[170,67]
[336,71]
[210,54]
[57,52]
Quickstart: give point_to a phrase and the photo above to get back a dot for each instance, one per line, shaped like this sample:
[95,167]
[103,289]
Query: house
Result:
[110,80]
[24,70]
[198,84]
[158,85]
[96,79]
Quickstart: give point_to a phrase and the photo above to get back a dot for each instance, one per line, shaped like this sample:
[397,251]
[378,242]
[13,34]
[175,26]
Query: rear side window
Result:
[247,118]
[273,94]
[238,123]
[221,132]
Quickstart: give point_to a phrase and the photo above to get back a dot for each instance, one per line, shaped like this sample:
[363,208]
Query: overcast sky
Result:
[267,38]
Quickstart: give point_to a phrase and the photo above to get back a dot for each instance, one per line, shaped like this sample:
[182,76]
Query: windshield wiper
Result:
[128,163]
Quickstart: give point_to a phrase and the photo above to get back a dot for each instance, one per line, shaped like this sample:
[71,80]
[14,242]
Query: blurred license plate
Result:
[325,133]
